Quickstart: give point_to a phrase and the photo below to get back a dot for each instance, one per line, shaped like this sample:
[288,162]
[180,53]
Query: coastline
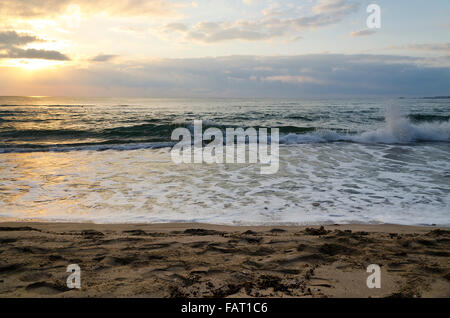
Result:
[204,260]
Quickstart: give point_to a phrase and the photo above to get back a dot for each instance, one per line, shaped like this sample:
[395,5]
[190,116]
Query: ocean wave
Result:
[399,129]
[85,147]
[141,130]
[299,117]
[427,117]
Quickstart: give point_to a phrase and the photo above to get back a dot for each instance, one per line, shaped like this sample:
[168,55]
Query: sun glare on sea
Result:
[32,64]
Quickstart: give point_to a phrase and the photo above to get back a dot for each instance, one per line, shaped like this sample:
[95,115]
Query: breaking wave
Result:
[399,129]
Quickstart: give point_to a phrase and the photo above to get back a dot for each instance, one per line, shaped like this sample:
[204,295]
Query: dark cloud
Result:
[11,41]
[104,58]
[365,32]
[258,76]
[17,53]
[12,38]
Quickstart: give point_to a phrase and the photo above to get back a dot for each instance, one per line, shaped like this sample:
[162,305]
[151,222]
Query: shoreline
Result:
[13,220]
[6,221]
[206,260]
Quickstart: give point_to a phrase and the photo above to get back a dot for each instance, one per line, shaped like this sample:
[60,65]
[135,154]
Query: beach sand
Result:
[199,260]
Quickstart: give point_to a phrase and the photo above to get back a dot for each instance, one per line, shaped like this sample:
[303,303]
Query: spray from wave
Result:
[398,130]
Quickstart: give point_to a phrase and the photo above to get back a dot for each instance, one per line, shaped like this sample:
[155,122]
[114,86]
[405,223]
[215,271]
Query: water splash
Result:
[397,130]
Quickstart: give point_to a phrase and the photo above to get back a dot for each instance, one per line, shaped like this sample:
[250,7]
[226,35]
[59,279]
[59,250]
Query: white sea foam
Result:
[316,183]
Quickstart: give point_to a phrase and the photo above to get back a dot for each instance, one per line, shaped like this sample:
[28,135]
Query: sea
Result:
[341,160]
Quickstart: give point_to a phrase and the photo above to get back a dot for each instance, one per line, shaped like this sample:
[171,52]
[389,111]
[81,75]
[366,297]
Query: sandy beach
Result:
[199,260]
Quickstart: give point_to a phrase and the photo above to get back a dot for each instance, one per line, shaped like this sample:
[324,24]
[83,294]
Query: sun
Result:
[32,64]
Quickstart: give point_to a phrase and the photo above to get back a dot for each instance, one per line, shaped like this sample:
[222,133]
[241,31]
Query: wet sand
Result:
[198,260]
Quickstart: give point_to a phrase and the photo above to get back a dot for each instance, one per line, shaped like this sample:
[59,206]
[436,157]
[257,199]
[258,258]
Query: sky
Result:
[223,48]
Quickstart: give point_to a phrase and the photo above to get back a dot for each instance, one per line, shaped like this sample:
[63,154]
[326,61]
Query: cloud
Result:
[171,27]
[12,38]
[17,53]
[326,12]
[104,58]
[210,32]
[11,41]
[247,76]
[430,47]
[334,6]
[249,2]
[365,32]
[291,79]
[49,8]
